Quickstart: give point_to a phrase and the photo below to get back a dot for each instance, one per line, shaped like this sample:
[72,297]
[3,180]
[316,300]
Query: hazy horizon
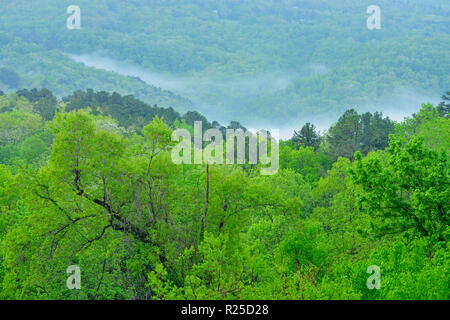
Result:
[403,103]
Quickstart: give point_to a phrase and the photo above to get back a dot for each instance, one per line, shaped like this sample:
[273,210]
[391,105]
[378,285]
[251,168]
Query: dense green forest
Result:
[28,65]
[93,205]
[88,180]
[252,60]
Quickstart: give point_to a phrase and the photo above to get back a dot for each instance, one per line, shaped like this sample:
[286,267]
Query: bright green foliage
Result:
[427,123]
[109,199]
[407,189]
[219,273]
[312,165]
[24,139]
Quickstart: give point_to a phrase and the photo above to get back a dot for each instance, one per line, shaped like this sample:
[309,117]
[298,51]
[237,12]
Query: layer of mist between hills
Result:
[234,98]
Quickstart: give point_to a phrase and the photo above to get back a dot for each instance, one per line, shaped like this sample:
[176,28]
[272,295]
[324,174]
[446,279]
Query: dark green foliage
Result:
[354,132]
[345,135]
[126,109]
[375,132]
[444,107]
[235,125]
[307,137]
[44,102]
[191,116]
[132,112]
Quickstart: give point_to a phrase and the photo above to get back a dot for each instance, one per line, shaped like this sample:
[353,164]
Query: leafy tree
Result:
[312,165]
[44,102]
[430,125]
[406,191]
[16,125]
[218,274]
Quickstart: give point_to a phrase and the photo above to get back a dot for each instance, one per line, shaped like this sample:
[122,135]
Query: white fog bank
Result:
[212,97]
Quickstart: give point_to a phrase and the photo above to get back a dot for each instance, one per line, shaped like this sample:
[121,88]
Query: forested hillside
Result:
[89,181]
[27,65]
[224,150]
[260,61]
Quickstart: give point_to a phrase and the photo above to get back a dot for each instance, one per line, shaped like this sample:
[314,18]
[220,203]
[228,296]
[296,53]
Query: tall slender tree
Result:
[307,137]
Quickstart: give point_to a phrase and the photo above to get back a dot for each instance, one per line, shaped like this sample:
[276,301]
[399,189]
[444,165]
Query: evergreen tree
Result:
[307,137]
[344,137]
[444,107]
